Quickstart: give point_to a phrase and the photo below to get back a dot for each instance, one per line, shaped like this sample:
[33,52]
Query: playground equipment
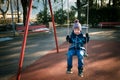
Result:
[25,37]
[85,27]
[24,42]
[26,33]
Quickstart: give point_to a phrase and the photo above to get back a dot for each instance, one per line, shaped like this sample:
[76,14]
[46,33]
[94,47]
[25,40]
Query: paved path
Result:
[39,45]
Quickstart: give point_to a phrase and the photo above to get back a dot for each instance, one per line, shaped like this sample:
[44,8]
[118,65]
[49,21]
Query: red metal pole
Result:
[24,42]
[55,35]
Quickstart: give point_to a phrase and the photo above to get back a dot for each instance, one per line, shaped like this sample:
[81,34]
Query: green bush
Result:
[104,14]
[60,16]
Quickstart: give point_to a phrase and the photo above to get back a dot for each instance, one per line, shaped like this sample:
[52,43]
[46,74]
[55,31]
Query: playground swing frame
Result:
[26,34]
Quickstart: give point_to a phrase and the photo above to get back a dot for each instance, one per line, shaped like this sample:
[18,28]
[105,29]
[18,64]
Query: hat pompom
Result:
[76,20]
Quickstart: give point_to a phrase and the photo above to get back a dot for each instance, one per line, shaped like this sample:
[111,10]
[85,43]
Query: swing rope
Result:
[68,26]
[87,24]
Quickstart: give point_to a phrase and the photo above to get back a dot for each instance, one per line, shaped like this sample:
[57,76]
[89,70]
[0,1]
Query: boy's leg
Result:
[69,61]
[80,71]
[80,55]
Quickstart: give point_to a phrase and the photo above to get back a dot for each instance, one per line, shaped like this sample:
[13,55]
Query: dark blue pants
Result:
[79,54]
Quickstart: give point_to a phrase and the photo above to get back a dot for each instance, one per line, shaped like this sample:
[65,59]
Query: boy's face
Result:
[77,31]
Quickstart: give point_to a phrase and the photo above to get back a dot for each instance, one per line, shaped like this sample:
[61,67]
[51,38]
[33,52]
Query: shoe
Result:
[80,74]
[69,71]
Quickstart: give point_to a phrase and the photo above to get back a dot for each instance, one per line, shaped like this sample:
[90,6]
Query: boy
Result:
[77,41]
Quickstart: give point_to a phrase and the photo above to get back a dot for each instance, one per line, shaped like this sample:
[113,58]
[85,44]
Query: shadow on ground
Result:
[103,63]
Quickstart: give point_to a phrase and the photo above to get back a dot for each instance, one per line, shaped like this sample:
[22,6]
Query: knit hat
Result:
[77,25]
[76,20]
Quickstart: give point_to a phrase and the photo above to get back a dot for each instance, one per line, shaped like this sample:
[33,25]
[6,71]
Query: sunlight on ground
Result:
[102,33]
[42,53]
[10,56]
[5,39]
[97,46]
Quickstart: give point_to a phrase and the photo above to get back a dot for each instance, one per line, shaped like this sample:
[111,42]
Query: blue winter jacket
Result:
[77,41]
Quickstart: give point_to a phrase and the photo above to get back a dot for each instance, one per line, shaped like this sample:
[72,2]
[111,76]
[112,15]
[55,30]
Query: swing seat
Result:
[85,53]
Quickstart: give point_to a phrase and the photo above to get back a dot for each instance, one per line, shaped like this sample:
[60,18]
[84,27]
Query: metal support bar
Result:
[54,27]
[24,41]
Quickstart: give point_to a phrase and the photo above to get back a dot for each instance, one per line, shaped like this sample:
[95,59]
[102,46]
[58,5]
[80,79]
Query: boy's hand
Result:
[87,35]
[67,38]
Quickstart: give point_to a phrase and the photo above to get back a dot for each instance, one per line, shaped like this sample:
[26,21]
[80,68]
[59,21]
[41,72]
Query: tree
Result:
[60,19]
[25,7]
[62,4]
[109,2]
[41,17]
[45,11]
[116,3]
[91,3]
[72,14]
[80,9]
[25,4]
[12,17]
[78,4]
[4,7]
[18,11]
[102,3]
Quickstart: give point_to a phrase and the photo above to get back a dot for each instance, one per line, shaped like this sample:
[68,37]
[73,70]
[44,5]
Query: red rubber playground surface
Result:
[103,63]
